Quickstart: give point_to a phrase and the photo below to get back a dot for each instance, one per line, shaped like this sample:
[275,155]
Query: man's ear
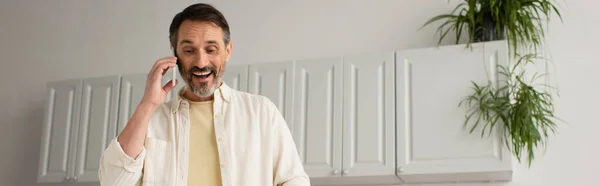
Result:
[173,49]
[228,51]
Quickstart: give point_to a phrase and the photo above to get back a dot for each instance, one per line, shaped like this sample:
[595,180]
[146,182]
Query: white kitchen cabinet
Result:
[369,121]
[80,120]
[274,81]
[98,124]
[359,90]
[59,132]
[318,116]
[433,145]
[236,77]
[132,92]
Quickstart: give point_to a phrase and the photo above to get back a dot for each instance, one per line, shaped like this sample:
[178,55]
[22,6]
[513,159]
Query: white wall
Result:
[52,40]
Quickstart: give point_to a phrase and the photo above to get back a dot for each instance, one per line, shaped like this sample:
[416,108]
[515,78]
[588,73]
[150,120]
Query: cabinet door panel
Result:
[369,137]
[58,137]
[132,92]
[236,77]
[98,124]
[274,81]
[431,138]
[318,114]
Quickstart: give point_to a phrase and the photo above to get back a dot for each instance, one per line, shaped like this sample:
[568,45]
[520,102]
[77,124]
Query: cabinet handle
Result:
[336,171]
[400,169]
[346,171]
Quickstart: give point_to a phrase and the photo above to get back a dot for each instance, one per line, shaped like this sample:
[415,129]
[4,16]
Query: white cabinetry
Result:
[80,119]
[318,116]
[432,144]
[401,121]
[61,117]
[132,92]
[236,77]
[274,81]
[98,124]
[369,137]
[344,118]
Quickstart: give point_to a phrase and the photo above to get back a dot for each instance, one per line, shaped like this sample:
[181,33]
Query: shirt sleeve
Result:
[117,168]
[287,167]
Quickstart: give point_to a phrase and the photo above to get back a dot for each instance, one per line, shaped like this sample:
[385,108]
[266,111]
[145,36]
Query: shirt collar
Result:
[223,93]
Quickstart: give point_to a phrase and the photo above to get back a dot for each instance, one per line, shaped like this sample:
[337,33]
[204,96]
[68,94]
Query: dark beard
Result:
[203,90]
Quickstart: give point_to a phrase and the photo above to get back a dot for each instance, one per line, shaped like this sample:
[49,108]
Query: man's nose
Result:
[202,60]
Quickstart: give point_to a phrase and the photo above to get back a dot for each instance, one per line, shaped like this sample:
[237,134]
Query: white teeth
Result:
[202,73]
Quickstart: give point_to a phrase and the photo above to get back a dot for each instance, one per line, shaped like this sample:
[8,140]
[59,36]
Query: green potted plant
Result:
[522,106]
[520,22]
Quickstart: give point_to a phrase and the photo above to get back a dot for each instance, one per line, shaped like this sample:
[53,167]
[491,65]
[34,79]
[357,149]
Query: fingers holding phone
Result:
[155,93]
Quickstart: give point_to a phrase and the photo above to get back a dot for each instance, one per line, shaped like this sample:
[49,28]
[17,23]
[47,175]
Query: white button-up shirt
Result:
[254,143]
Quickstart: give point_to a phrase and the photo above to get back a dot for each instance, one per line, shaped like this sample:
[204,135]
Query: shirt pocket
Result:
[158,162]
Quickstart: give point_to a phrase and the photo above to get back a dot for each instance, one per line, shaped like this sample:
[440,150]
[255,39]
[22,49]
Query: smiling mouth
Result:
[202,75]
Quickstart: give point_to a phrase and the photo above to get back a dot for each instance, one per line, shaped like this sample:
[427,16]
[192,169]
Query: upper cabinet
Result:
[433,145]
[274,81]
[236,77]
[368,110]
[132,92]
[344,119]
[61,117]
[318,116]
[400,117]
[98,124]
[80,120]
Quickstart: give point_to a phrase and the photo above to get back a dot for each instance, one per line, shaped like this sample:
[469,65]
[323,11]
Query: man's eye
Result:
[210,50]
[188,51]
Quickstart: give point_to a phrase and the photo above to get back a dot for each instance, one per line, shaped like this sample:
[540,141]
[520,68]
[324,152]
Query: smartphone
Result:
[174,69]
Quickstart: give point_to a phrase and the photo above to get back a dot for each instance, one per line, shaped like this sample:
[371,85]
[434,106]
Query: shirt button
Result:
[223,165]
[220,139]
[217,115]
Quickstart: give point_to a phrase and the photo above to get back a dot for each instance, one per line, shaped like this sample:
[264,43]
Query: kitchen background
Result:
[44,41]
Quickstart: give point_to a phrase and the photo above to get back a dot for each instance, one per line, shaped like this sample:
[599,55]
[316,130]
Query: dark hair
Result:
[198,12]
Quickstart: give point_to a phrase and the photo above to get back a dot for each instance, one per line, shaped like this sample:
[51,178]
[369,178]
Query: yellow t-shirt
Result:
[204,163]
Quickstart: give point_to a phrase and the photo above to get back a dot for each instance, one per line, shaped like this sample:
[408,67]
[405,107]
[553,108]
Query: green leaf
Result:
[522,107]
[437,18]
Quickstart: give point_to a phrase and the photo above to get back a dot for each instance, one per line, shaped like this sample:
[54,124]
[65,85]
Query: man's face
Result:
[202,53]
